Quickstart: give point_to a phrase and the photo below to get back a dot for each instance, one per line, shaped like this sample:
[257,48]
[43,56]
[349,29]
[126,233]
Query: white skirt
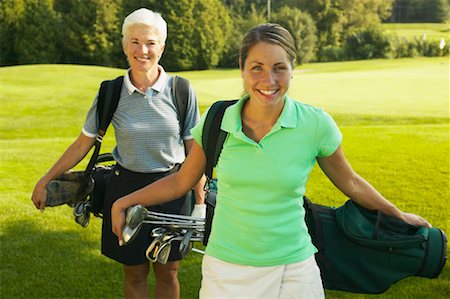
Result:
[226,280]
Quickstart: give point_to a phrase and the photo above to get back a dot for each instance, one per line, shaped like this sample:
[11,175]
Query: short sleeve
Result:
[198,129]
[90,127]
[328,135]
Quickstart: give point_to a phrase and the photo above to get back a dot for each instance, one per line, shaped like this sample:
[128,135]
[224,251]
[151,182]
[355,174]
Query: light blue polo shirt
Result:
[146,126]
[259,215]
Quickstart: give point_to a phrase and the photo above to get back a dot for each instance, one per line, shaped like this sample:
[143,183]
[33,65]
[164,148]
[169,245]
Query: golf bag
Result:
[364,251]
[359,250]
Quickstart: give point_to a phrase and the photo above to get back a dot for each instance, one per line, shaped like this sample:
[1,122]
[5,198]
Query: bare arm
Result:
[340,172]
[199,188]
[163,190]
[71,157]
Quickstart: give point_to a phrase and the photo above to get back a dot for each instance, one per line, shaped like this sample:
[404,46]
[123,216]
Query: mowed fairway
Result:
[412,31]
[394,115]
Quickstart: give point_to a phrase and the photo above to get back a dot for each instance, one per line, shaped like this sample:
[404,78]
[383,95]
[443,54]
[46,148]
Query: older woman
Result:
[149,146]
[271,138]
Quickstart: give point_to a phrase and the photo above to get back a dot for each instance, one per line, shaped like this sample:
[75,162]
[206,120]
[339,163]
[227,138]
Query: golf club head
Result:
[185,244]
[128,233]
[158,232]
[81,213]
[133,222]
[135,216]
[163,253]
[152,250]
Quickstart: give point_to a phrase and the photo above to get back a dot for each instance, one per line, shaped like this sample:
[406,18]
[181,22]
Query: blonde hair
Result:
[145,17]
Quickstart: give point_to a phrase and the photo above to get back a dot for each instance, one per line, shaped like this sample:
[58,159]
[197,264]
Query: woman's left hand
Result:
[118,215]
[415,220]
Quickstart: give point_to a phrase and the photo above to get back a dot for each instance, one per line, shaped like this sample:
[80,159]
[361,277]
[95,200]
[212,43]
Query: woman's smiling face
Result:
[266,73]
[143,48]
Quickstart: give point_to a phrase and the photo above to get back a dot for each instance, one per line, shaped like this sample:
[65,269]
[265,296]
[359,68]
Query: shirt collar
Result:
[232,121]
[288,117]
[158,86]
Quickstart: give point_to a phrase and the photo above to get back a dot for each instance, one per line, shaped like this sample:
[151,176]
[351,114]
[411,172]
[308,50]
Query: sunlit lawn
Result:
[432,31]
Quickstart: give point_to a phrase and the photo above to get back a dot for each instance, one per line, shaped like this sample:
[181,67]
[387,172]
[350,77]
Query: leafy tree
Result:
[335,20]
[442,11]
[77,19]
[105,39]
[213,31]
[90,30]
[197,31]
[241,24]
[180,52]
[245,7]
[11,12]
[303,30]
[37,33]
[435,11]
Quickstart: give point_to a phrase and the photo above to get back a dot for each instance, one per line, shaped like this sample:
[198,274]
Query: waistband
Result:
[124,170]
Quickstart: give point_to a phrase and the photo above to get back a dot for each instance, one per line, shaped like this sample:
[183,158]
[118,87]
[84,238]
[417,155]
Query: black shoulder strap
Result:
[180,93]
[212,136]
[107,101]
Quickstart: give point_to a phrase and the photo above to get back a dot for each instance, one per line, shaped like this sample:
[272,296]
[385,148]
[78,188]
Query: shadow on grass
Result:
[55,264]
[39,263]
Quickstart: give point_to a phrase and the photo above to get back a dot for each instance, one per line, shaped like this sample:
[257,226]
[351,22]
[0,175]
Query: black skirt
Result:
[120,183]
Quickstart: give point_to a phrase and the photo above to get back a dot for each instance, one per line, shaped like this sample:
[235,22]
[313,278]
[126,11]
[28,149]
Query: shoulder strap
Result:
[212,136]
[108,99]
[180,93]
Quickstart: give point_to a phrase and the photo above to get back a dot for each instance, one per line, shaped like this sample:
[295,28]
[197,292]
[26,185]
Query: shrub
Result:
[332,53]
[401,47]
[428,47]
[367,44]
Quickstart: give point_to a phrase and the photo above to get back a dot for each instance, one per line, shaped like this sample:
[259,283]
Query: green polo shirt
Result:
[259,215]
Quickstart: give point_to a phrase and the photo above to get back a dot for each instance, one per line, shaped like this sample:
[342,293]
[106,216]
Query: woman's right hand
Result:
[118,214]
[40,194]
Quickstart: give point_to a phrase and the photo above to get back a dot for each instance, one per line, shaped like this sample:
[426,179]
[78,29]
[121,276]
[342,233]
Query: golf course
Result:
[393,113]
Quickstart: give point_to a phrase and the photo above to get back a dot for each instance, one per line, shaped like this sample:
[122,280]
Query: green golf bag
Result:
[364,251]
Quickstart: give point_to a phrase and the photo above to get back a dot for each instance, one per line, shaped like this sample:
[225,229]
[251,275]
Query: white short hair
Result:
[146,17]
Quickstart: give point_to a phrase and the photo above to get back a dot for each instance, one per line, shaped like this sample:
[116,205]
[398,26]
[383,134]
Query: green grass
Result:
[394,115]
[433,31]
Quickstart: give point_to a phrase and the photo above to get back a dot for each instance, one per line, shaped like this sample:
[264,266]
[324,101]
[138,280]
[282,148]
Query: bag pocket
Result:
[210,201]
[373,229]
[100,175]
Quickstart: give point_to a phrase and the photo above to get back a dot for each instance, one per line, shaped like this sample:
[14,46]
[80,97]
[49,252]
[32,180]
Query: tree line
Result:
[202,34]
[420,11]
